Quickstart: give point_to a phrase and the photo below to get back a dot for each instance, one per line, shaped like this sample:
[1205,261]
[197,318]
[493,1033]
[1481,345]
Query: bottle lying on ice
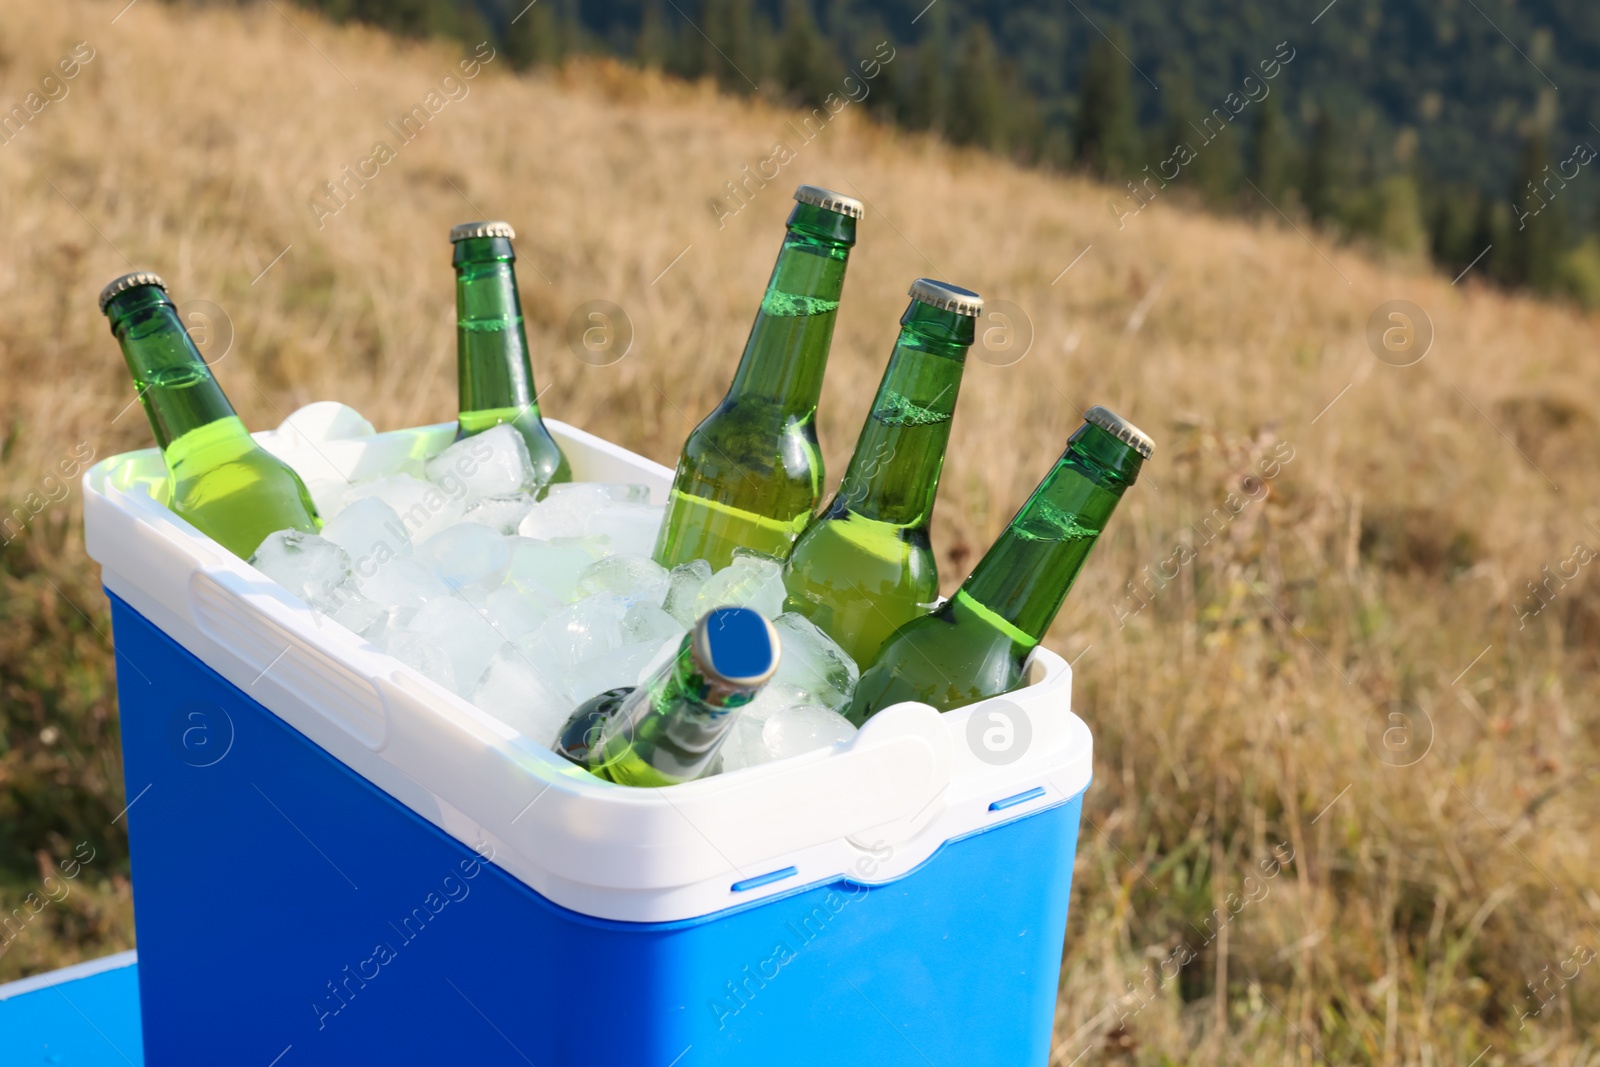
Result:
[974,645]
[222,482]
[668,730]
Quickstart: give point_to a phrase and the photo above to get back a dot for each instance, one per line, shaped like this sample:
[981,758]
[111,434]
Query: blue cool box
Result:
[336,862]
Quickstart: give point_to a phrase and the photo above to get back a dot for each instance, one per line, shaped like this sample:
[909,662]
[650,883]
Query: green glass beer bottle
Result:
[492,365]
[973,646]
[751,473]
[669,729]
[865,566]
[221,481]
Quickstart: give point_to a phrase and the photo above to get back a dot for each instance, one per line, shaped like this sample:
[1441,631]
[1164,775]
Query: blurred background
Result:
[1338,259]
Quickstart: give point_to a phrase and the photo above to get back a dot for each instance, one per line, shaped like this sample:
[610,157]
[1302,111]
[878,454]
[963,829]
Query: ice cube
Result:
[814,661]
[370,531]
[423,654]
[566,512]
[307,565]
[547,568]
[802,728]
[516,693]
[489,464]
[580,632]
[683,591]
[774,697]
[467,554]
[402,585]
[346,606]
[423,509]
[626,492]
[609,670]
[462,632]
[513,613]
[744,745]
[748,582]
[665,652]
[638,579]
[646,622]
[630,528]
[501,514]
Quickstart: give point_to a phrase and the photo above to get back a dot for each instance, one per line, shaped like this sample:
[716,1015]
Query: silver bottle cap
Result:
[491,228]
[736,650]
[829,200]
[1121,429]
[947,297]
[129,281]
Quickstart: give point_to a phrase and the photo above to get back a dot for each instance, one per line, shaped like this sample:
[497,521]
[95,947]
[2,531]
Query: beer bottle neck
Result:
[1021,582]
[669,729]
[787,351]
[893,476]
[175,385]
[495,374]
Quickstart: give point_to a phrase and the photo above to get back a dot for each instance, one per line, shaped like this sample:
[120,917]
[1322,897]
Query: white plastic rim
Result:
[871,809]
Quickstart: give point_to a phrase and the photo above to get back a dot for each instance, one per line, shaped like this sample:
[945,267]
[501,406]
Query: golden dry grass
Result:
[1423,903]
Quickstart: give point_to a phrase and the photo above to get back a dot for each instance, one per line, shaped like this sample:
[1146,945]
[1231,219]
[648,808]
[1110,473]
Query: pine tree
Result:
[653,46]
[1492,238]
[1454,229]
[703,55]
[1208,143]
[1325,169]
[923,103]
[742,70]
[535,36]
[977,114]
[1271,150]
[1539,228]
[1108,129]
[806,67]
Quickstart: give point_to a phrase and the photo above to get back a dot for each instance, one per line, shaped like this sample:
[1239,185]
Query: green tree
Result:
[1207,142]
[653,46]
[535,37]
[1326,172]
[1454,228]
[1492,237]
[1108,129]
[925,87]
[806,67]
[1271,151]
[729,46]
[923,101]
[1538,227]
[977,112]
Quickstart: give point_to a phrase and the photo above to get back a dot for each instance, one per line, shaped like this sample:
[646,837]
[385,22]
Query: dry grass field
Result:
[1273,868]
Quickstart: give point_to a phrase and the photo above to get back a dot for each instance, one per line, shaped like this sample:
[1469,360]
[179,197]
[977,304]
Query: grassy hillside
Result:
[1377,552]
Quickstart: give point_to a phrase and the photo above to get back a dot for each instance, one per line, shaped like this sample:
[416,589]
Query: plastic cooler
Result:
[337,861]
